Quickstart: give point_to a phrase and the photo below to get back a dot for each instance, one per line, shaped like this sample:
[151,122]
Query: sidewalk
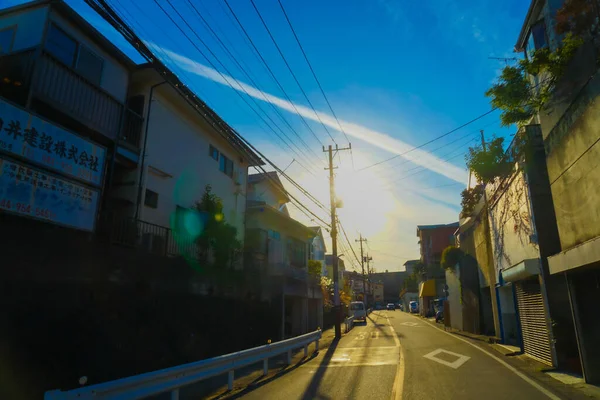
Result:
[251,377]
[568,386]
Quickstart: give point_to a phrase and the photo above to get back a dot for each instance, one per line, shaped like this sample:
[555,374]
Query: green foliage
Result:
[523,90]
[576,17]
[217,237]
[489,163]
[470,198]
[450,257]
[314,268]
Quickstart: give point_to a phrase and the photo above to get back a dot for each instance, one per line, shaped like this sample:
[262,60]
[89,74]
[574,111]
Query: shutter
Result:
[532,314]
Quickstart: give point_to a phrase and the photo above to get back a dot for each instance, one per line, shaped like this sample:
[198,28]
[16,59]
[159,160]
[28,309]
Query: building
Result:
[433,239]
[570,135]
[277,249]
[393,282]
[158,192]
[409,266]
[318,249]
[341,268]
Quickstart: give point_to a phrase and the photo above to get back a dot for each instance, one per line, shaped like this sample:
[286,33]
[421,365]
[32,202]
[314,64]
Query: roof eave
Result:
[520,45]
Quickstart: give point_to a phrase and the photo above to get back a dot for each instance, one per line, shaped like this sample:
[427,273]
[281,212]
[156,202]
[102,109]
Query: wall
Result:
[115,76]
[454,298]
[178,145]
[30,27]
[512,224]
[573,157]
[265,191]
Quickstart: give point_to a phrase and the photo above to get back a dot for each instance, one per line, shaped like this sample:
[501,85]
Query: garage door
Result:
[532,315]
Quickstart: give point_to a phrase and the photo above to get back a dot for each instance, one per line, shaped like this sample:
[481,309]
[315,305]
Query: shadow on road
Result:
[313,387]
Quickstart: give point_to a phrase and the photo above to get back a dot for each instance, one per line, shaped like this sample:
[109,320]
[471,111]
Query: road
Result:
[399,356]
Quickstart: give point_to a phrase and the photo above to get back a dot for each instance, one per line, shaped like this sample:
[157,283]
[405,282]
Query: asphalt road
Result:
[399,356]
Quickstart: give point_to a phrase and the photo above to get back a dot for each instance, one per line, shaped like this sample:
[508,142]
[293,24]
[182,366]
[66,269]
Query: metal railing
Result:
[48,79]
[349,323]
[170,380]
[152,238]
[70,92]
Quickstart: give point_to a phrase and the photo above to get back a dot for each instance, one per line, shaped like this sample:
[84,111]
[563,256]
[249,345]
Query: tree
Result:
[470,198]
[526,88]
[314,268]
[218,237]
[577,17]
[450,257]
[489,163]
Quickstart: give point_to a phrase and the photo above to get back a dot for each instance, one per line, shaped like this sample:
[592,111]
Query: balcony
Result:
[44,77]
[152,238]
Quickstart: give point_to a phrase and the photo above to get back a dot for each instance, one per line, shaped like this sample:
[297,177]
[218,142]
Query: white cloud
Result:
[379,139]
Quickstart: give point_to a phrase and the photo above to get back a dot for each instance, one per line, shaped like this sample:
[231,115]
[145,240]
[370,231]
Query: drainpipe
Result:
[142,163]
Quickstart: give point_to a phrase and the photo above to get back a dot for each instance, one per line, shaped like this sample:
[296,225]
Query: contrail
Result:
[378,139]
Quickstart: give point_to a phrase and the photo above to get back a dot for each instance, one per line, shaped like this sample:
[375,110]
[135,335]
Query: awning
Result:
[577,256]
[427,289]
[522,270]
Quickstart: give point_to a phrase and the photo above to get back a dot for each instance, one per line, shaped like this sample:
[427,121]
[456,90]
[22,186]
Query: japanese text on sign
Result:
[37,140]
[31,192]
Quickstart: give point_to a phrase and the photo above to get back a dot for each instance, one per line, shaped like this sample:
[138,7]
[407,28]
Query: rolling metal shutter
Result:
[534,328]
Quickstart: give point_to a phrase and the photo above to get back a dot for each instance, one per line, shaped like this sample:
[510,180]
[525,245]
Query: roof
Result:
[430,227]
[410,262]
[81,23]
[520,45]
[262,207]
[269,177]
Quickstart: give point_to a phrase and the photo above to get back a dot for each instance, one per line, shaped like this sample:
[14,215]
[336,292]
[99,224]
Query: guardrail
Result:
[172,379]
[349,322]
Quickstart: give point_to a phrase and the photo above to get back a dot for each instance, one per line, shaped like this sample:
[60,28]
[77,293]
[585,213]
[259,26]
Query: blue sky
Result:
[397,73]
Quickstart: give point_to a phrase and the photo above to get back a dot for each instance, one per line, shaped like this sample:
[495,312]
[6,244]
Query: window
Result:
[6,39]
[274,235]
[226,166]
[296,252]
[89,65]
[151,199]
[73,54]
[213,153]
[61,45]
[537,38]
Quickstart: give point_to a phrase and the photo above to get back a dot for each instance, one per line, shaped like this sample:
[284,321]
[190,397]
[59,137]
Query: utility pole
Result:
[336,278]
[369,271]
[362,265]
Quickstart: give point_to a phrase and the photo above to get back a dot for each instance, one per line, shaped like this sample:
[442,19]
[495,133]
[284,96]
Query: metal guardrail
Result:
[172,379]
[349,322]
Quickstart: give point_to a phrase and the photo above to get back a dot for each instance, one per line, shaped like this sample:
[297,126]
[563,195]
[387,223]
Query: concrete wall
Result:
[573,157]
[29,26]
[454,298]
[512,224]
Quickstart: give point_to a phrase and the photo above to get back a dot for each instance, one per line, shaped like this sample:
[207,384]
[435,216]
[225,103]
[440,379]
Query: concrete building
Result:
[433,239]
[409,266]
[277,249]
[570,135]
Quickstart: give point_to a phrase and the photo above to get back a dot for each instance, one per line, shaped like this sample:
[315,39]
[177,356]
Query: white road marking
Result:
[398,386]
[413,324]
[460,360]
[504,363]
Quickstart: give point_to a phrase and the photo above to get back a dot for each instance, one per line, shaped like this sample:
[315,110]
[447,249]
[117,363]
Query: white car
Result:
[357,309]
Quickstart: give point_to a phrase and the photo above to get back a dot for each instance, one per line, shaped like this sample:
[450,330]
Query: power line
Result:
[239,65]
[311,69]
[271,72]
[290,68]
[217,59]
[431,141]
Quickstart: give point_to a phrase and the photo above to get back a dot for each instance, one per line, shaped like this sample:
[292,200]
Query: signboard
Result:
[30,192]
[34,139]
[357,286]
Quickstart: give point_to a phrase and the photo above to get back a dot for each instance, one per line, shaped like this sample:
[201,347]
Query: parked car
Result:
[398,306]
[391,306]
[414,307]
[357,309]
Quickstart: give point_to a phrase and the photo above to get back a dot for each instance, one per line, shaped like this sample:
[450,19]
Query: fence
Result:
[170,380]
[155,239]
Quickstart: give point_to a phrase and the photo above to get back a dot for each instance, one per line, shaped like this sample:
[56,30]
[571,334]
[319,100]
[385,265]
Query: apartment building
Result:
[277,249]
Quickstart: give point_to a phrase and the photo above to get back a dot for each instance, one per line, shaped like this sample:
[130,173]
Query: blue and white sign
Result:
[34,193]
[34,139]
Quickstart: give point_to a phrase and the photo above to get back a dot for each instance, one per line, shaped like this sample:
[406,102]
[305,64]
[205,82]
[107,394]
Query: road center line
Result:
[504,363]
[399,378]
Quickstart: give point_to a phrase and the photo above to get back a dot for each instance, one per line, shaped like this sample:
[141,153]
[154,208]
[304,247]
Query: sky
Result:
[397,73]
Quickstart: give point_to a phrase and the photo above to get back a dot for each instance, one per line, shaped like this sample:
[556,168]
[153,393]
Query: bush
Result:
[450,257]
